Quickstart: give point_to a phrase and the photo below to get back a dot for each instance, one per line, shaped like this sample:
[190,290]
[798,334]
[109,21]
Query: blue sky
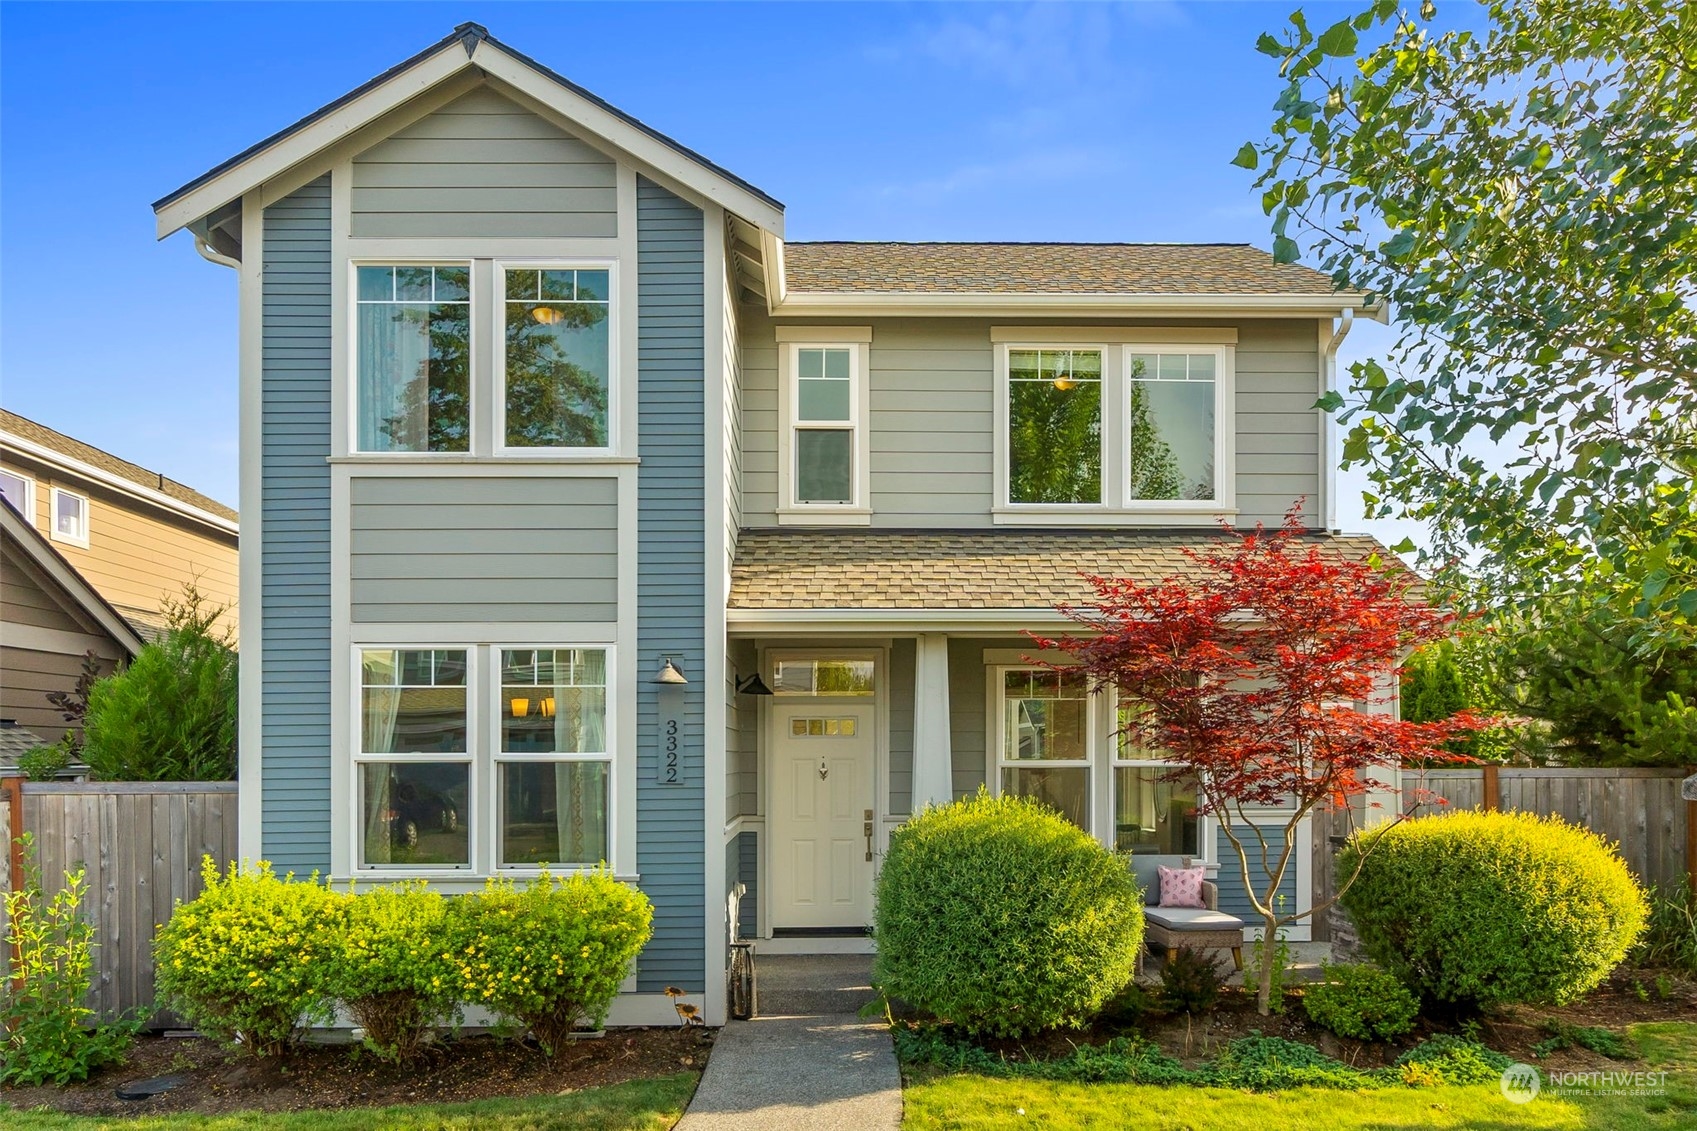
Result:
[886,121]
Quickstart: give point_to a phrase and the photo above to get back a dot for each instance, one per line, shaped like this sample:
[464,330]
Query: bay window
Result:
[1104,433]
[439,790]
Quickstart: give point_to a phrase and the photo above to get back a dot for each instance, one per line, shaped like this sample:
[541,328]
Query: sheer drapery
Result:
[377,736]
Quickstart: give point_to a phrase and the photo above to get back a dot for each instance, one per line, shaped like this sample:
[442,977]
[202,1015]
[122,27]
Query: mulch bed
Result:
[1514,1031]
[335,1076]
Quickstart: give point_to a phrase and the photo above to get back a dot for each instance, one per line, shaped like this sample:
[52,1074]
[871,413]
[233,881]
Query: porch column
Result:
[933,771]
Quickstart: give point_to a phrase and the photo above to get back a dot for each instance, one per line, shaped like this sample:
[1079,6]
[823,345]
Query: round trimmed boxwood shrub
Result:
[1363,1002]
[999,915]
[391,967]
[245,961]
[549,955]
[1484,908]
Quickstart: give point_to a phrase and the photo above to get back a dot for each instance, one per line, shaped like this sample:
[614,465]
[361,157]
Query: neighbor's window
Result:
[553,769]
[1170,426]
[1152,812]
[824,411]
[823,677]
[1045,740]
[1054,426]
[70,518]
[414,763]
[19,490]
[558,357]
[413,329]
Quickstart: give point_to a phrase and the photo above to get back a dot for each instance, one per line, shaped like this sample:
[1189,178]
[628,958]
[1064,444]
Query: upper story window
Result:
[70,518]
[558,358]
[825,453]
[414,358]
[19,490]
[1096,433]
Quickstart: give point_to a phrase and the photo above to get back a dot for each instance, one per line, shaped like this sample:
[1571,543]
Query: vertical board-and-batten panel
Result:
[671,576]
[932,446]
[483,166]
[294,598]
[468,549]
[900,677]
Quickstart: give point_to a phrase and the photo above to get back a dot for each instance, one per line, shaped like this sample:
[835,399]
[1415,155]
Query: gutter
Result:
[1329,442]
[117,482]
[848,303]
[211,255]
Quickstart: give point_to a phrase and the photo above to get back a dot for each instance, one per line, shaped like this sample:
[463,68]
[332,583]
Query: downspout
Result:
[208,253]
[1330,439]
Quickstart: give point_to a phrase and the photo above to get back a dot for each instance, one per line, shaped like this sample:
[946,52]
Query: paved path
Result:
[799,1074]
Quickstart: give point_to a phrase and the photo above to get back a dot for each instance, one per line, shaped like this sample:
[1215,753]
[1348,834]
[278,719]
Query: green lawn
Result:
[977,1103]
[641,1105]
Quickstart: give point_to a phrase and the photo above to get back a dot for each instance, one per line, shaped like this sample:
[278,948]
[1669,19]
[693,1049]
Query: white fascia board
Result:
[855,304]
[116,482]
[311,139]
[621,134]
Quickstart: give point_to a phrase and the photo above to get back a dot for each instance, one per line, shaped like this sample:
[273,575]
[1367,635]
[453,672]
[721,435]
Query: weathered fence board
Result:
[139,845]
[1638,809]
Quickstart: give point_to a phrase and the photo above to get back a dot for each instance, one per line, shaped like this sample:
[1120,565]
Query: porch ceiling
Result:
[1002,569]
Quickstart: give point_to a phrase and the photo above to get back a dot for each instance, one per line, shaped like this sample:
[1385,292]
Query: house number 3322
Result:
[671,738]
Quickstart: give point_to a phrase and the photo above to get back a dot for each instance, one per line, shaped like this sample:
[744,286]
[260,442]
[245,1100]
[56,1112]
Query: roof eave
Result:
[815,303]
[65,575]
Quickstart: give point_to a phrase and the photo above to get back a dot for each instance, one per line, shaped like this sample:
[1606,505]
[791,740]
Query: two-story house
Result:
[588,520]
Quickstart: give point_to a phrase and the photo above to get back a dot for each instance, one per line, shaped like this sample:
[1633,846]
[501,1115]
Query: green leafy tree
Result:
[1055,446]
[553,400]
[1525,199]
[170,715]
[1432,686]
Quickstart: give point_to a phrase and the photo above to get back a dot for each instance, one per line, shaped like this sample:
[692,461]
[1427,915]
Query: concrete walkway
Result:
[820,1073]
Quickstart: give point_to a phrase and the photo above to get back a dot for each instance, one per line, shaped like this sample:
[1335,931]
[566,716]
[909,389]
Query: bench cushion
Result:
[1192,919]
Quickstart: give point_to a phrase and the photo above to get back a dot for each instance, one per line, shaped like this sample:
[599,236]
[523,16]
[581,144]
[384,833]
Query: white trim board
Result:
[118,483]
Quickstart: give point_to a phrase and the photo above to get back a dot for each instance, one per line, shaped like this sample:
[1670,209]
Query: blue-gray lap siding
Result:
[1234,900]
[671,819]
[294,599]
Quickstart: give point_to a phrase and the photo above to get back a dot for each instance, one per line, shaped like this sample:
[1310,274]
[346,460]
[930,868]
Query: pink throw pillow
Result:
[1181,887]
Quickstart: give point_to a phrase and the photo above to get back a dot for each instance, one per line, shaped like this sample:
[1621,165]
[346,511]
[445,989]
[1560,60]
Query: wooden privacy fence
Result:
[1640,810]
[140,845]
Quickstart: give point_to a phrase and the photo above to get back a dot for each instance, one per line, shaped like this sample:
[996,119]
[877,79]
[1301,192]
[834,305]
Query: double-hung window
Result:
[1114,431]
[1045,739]
[482,758]
[69,514]
[825,448]
[429,379]
[1152,812]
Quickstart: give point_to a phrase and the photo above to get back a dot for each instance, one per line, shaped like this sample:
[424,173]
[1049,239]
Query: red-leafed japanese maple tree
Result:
[1265,677]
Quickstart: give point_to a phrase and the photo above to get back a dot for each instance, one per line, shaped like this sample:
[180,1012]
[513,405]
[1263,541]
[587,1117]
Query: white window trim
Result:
[26,505]
[857,340]
[998,760]
[351,376]
[1117,507]
[483,730]
[498,352]
[80,539]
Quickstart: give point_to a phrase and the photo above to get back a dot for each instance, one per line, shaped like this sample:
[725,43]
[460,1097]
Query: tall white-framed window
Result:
[1114,432]
[477,759]
[412,358]
[555,387]
[1151,811]
[553,758]
[1044,738]
[67,511]
[19,490]
[824,454]
[416,793]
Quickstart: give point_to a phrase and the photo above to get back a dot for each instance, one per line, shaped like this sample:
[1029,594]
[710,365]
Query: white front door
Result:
[822,800]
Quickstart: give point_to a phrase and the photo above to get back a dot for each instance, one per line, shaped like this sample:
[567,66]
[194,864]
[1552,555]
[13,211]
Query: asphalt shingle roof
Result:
[106,461]
[1046,268]
[1004,569]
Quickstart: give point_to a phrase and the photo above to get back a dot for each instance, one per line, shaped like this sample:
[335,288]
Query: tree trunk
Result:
[1269,955]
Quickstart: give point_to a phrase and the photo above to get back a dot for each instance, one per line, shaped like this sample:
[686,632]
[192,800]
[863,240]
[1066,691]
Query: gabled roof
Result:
[15,427]
[1046,268]
[468,46]
[973,570]
[35,546]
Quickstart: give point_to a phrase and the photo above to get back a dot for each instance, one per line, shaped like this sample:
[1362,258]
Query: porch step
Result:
[812,985]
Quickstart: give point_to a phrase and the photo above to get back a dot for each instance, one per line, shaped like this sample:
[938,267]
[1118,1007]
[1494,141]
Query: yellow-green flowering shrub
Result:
[551,954]
[245,961]
[390,966]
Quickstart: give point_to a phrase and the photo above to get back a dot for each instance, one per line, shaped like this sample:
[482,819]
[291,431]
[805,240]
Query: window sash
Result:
[850,422]
[78,531]
[19,490]
[441,417]
[600,277]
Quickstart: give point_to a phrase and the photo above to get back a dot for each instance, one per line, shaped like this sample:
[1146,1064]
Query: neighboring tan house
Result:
[135,535]
[558,462]
[50,618]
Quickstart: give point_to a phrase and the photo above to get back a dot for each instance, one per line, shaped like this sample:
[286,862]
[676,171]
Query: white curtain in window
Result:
[394,374]
[382,706]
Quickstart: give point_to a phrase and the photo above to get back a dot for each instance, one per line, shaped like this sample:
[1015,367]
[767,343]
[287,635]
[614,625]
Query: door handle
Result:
[867,829]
